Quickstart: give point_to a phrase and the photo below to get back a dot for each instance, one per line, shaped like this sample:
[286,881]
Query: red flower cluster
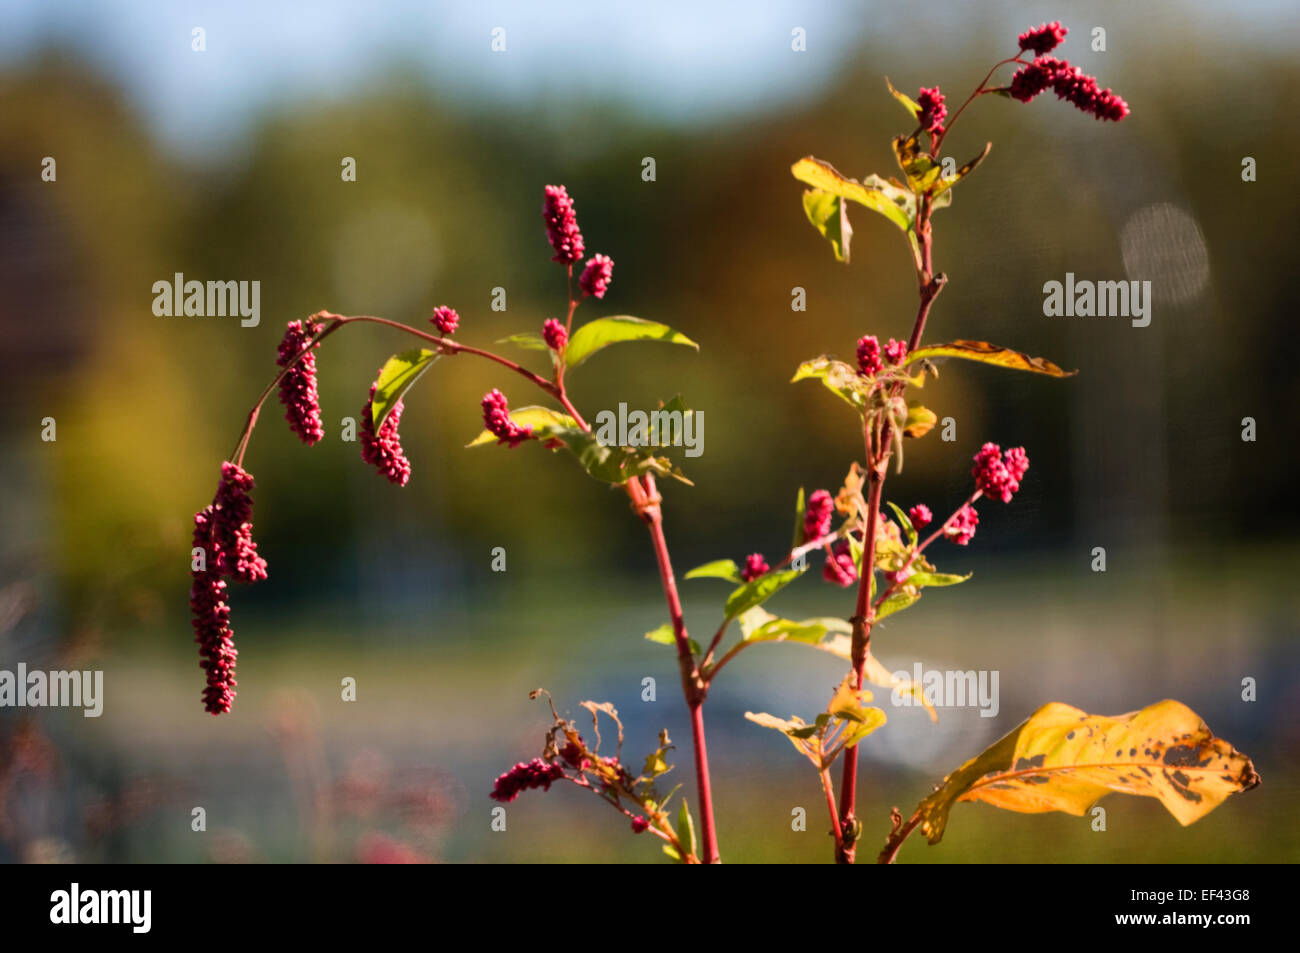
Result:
[224,531]
[640,825]
[298,386]
[496,418]
[817,515]
[755,566]
[554,335]
[895,351]
[839,567]
[446,319]
[1069,83]
[1043,38]
[920,516]
[998,474]
[597,275]
[933,110]
[960,529]
[526,776]
[383,450]
[869,363]
[562,226]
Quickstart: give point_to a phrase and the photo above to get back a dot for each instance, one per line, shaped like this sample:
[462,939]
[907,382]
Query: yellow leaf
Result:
[987,353]
[920,420]
[1063,759]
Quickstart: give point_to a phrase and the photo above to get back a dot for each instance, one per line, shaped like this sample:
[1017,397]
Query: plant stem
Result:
[896,838]
[693,686]
[829,790]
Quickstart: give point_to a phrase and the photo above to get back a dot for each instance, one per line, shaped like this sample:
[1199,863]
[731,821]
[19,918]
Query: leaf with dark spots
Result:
[1047,764]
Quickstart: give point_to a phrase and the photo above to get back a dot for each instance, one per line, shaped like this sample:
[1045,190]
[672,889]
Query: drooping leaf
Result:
[829,214]
[664,635]
[602,332]
[395,378]
[987,353]
[920,420]
[758,591]
[543,420]
[948,181]
[911,105]
[528,340]
[895,203]
[1063,759]
[718,569]
[839,378]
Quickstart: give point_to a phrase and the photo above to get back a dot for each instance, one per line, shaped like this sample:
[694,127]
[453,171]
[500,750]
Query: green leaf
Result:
[800,510]
[837,377]
[602,332]
[528,340]
[664,635]
[896,603]
[759,625]
[759,591]
[686,829]
[543,420]
[614,465]
[718,569]
[948,181]
[911,105]
[922,579]
[904,521]
[986,353]
[829,214]
[671,851]
[395,378]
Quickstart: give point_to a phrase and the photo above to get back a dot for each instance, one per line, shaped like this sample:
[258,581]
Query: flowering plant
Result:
[1060,758]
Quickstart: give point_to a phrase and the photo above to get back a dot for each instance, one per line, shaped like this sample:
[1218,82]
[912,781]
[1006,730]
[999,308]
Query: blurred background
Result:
[225,164]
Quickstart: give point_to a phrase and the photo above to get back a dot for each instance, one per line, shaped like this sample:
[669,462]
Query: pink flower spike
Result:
[383,450]
[869,363]
[755,566]
[496,418]
[526,776]
[839,567]
[554,335]
[920,516]
[1043,38]
[298,386]
[446,319]
[895,351]
[597,275]
[562,226]
[933,110]
[960,529]
[817,515]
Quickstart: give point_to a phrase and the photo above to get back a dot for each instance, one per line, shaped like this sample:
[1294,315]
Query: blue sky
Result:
[685,59]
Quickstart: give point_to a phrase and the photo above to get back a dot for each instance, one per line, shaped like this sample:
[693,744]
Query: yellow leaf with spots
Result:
[1063,759]
[987,353]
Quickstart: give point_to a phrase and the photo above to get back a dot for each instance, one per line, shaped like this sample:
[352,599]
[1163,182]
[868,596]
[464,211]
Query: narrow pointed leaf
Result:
[718,569]
[987,353]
